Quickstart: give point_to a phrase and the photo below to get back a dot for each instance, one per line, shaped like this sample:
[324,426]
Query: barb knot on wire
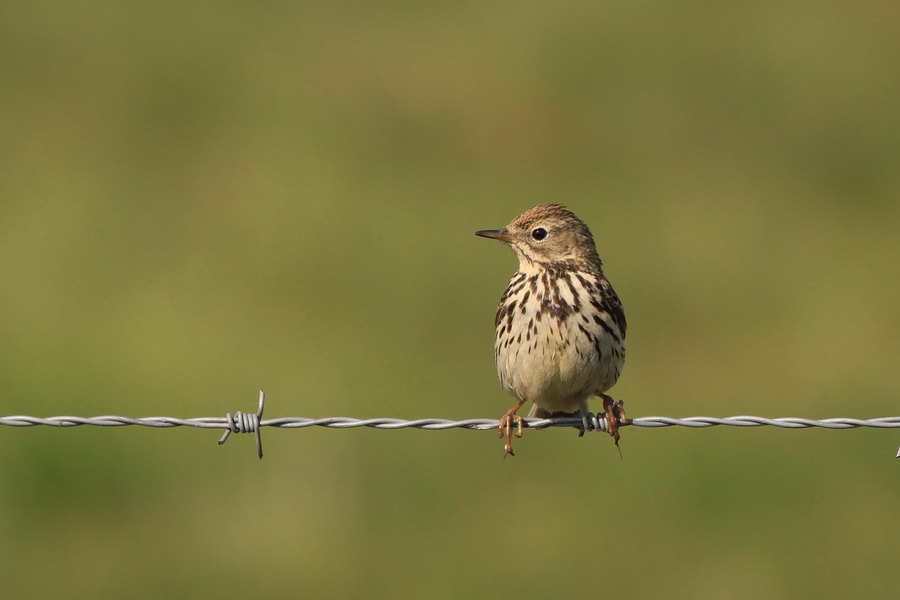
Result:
[242,422]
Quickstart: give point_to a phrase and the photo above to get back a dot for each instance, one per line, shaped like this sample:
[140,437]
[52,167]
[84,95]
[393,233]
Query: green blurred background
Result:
[202,199]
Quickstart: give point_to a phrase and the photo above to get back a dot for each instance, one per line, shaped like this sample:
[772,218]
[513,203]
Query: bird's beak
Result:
[496,234]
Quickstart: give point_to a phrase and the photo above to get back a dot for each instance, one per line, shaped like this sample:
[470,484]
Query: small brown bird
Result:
[560,326]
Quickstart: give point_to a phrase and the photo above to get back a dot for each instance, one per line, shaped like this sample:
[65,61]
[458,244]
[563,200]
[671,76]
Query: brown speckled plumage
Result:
[560,326]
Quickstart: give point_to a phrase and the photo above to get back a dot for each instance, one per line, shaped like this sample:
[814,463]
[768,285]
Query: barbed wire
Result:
[242,422]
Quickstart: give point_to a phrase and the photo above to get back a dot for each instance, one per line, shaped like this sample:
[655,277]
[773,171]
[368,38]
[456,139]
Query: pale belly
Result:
[557,363]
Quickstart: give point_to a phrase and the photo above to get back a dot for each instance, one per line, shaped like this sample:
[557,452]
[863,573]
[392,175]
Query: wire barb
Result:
[242,422]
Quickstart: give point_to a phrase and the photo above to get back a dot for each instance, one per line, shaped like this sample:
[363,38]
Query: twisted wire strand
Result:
[242,422]
[436,424]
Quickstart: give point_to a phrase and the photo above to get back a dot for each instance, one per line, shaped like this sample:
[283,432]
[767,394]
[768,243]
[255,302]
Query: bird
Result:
[560,327]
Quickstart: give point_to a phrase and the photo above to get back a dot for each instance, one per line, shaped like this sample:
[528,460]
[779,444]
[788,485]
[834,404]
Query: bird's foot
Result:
[507,428]
[615,416]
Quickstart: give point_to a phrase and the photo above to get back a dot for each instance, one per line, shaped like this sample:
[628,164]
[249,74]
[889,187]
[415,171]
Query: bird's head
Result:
[548,233]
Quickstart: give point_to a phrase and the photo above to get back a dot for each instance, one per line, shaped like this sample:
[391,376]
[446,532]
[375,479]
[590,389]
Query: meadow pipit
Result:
[560,326]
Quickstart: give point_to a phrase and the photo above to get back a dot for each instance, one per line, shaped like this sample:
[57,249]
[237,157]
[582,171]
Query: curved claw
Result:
[506,427]
[506,430]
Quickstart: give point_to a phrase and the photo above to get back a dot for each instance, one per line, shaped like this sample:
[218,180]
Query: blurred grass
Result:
[200,200]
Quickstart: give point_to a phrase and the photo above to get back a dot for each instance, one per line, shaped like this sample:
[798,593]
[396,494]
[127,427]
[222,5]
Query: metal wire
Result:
[252,423]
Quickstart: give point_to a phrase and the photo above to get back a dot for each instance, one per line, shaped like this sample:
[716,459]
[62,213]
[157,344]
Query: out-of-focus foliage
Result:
[200,199]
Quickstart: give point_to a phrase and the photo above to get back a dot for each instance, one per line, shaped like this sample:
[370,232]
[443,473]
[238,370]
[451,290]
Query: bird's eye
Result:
[539,233]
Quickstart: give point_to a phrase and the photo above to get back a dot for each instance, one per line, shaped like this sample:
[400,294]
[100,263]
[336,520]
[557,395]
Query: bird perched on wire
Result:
[560,326]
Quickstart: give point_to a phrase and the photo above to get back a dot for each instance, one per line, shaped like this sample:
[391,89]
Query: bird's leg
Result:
[615,416]
[506,426]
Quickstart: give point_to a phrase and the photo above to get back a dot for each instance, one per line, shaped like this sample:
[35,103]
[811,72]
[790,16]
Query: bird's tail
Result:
[540,413]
